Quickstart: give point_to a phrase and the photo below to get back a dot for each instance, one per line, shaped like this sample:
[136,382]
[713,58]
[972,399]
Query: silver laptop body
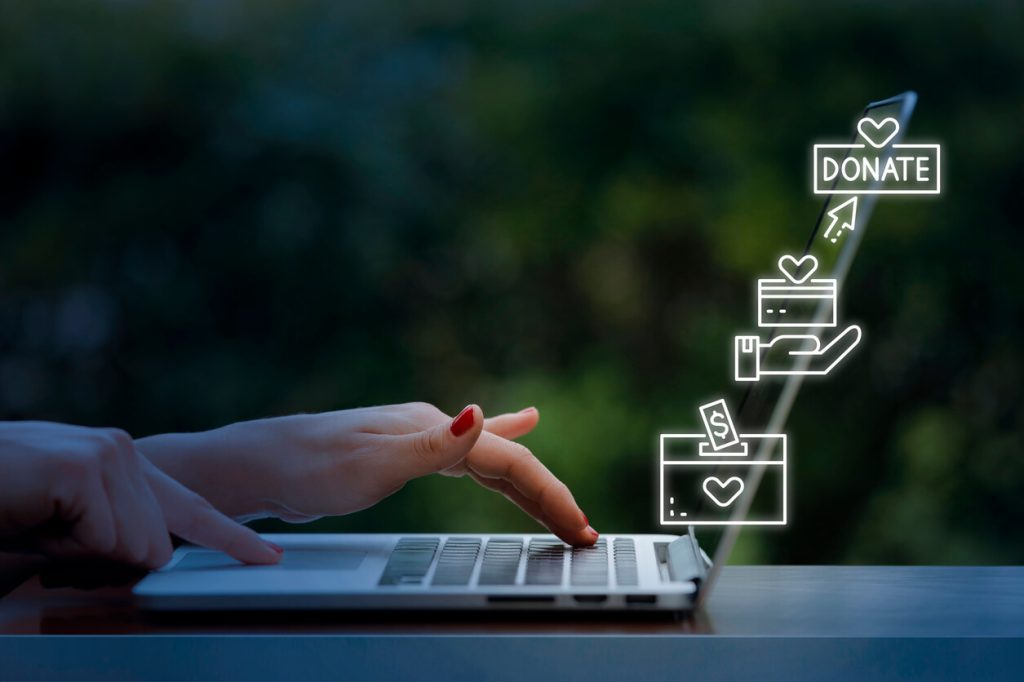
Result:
[418,571]
[473,571]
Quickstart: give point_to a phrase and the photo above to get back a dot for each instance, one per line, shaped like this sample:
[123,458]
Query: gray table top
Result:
[870,601]
[783,622]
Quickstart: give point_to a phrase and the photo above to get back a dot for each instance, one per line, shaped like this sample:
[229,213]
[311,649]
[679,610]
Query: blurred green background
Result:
[220,211]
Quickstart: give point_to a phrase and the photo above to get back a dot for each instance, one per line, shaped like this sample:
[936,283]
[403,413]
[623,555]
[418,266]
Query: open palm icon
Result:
[782,355]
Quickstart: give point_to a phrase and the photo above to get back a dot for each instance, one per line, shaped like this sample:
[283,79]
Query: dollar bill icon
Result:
[719,425]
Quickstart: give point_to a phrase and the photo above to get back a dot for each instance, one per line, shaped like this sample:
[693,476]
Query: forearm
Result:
[230,466]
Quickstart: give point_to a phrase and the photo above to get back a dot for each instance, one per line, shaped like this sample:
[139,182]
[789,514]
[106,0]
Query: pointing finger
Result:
[495,457]
[577,537]
[192,518]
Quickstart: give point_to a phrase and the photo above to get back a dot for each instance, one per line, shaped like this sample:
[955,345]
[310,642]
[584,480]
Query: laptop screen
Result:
[765,405]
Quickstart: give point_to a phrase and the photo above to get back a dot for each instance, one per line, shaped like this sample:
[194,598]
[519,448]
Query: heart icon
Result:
[719,491]
[878,134]
[791,268]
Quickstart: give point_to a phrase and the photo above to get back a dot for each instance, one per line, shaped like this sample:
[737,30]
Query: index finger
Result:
[192,518]
[495,457]
[513,425]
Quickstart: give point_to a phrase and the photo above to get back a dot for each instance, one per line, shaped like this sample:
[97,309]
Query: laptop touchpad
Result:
[295,559]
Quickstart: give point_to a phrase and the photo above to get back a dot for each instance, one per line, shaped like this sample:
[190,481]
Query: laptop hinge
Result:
[686,562]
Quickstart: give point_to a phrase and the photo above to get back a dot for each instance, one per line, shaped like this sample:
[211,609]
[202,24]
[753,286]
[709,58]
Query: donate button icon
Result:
[877,165]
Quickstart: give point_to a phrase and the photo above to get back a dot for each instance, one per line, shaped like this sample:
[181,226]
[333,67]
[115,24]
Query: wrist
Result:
[228,466]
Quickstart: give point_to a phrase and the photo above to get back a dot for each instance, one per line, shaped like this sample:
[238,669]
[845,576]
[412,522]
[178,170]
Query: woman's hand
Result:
[306,466]
[75,492]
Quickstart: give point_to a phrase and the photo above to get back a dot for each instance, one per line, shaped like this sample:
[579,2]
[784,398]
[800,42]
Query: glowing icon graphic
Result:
[797,301]
[870,129]
[703,475]
[719,491]
[714,478]
[878,165]
[721,431]
[845,216]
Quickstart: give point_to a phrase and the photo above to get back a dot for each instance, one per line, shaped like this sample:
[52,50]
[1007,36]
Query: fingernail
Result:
[277,548]
[464,422]
[592,532]
[586,520]
[528,409]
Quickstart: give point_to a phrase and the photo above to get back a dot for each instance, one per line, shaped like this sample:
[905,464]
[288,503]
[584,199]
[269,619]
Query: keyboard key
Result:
[501,562]
[590,565]
[409,561]
[624,558]
[544,561]
[457,560]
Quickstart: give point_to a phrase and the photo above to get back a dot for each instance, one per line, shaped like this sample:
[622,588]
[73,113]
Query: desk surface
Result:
[769,614]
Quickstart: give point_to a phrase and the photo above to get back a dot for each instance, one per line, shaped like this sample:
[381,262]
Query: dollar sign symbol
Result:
[718,422]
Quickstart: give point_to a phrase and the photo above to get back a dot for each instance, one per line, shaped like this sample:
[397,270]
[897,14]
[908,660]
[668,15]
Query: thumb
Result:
[442,446]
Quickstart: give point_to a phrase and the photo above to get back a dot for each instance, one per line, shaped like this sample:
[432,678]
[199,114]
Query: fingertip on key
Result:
[273,554]
[585,537]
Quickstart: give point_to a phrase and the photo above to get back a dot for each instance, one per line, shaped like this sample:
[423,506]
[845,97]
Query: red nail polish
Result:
[277,548]
[463,423]
[586,520]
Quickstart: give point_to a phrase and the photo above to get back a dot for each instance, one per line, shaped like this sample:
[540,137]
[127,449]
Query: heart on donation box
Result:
[798,271]
[723,493]
[878,134]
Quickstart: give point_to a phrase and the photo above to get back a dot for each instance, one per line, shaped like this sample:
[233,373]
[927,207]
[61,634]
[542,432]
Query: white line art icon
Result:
[866,167]
[718,424]
[701,485]
[790,302]
[723,493]
[845,216]
[796,302]
[878,133]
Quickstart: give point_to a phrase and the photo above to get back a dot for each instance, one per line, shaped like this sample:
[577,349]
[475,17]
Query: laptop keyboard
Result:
[507,562]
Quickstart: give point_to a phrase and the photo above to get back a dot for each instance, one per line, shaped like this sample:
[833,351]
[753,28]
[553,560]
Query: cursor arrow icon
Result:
[845,216]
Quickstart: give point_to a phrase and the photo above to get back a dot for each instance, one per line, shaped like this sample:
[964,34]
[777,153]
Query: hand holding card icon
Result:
[794,302]
[776,357]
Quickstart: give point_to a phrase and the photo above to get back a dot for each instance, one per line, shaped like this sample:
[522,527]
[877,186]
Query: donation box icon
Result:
[701,486]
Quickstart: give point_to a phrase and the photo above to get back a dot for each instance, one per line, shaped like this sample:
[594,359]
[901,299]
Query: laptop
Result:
[508,571]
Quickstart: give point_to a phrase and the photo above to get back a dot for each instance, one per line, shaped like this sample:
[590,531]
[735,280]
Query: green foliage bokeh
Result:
[220,211]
